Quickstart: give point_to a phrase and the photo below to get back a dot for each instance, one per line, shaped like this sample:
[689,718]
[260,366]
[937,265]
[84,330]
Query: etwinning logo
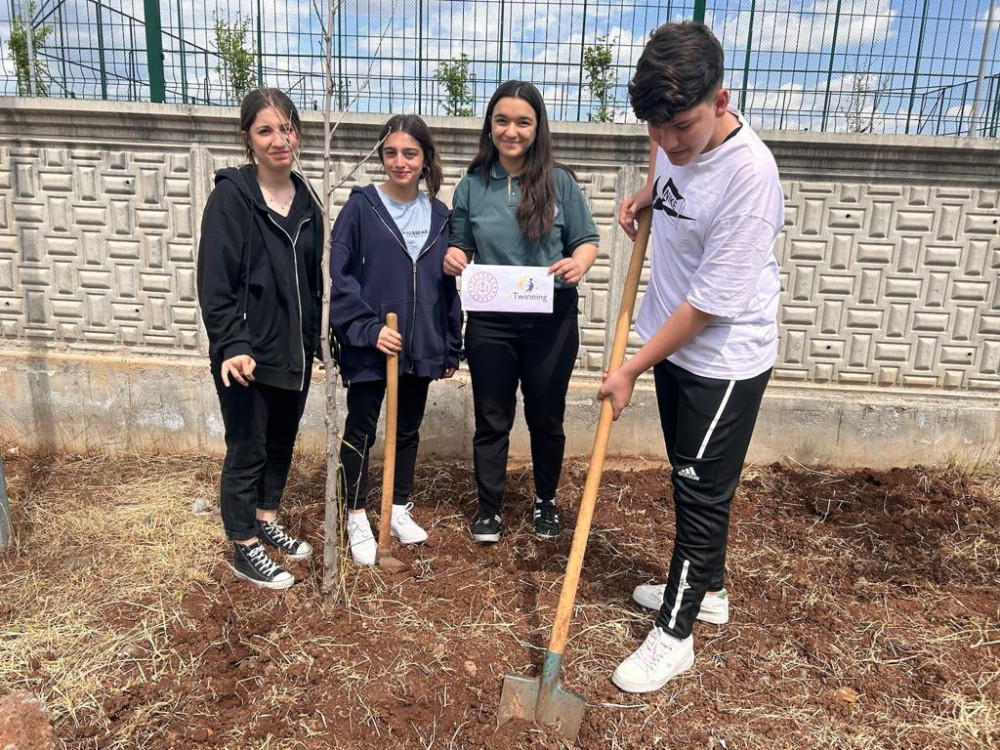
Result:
[526,290]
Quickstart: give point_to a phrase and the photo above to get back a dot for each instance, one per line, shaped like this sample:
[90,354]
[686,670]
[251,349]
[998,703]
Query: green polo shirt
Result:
[484,222]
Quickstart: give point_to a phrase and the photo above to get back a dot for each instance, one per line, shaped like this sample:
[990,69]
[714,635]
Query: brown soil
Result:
[865,615]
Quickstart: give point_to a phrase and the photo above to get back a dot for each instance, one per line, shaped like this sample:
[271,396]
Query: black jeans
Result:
[537,350]
[707,425]
[261,424]
[364,402]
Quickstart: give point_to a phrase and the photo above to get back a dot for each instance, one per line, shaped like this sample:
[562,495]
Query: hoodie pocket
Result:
[429,336]
[262,320]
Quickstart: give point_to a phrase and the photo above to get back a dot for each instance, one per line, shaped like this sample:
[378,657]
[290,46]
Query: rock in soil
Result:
[24,723]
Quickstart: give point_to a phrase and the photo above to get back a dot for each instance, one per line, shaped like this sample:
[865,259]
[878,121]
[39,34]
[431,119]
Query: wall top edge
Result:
[165,116]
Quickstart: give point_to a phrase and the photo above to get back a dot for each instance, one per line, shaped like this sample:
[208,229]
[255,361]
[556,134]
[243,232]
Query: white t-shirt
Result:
[413,220]
[714,225]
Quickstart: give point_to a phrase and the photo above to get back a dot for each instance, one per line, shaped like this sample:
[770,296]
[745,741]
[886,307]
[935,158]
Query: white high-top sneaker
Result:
[360,539]
[403,527]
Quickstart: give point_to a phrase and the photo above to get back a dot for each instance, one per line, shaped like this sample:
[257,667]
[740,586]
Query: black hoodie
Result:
[258,282]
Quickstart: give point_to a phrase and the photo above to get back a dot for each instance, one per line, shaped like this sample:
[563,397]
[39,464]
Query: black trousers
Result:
[261,424]
[539,352]
[364,402]
[707,425]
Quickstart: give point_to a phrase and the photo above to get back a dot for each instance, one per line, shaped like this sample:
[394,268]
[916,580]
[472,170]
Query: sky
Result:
[882,65]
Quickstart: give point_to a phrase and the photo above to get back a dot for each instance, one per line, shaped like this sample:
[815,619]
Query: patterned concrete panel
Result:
[889,256]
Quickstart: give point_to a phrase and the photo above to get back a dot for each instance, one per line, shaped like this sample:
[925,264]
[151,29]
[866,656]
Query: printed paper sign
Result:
[519,289]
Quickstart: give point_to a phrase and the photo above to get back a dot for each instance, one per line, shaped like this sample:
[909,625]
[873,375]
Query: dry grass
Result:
[92,606]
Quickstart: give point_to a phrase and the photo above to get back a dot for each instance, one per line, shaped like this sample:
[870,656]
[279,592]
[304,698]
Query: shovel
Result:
[385,559]
[543,700]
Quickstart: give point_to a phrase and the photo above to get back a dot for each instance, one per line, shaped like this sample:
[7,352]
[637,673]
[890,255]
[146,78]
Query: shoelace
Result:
[403,517]
[654,648]
[263,563]
[546,511]
[279,535]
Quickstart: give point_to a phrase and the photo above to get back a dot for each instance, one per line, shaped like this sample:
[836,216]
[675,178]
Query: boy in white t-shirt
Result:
[708,319]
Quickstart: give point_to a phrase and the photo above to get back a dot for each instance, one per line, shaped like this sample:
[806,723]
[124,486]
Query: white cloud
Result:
[791,27]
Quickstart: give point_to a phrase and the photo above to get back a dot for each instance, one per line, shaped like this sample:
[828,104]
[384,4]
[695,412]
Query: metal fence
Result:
[884,66]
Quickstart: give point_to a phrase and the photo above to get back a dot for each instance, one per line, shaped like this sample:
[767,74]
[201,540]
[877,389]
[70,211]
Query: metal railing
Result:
[883,66]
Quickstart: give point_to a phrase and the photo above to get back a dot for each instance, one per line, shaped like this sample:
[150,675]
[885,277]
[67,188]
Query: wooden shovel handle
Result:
[560,628]
[389,463]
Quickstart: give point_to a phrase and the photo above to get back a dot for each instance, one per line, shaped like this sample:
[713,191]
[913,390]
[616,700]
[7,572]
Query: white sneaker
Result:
[714,607]
[403,527]
[360,539]
[660,658]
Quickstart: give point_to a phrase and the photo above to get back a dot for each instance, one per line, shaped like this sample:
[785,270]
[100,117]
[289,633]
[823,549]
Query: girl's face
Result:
[513,127]
[273,140]
[403,160]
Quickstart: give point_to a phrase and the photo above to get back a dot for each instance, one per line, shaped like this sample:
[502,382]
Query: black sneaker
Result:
[270,532]
[251,563]
[546,519]
[486,526]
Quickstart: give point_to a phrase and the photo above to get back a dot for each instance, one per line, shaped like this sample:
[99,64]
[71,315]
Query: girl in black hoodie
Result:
[388,248]
[259,289]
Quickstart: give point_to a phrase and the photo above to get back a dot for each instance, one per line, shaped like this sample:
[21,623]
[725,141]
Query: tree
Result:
[31,70]
[597,60]
[454,76]
[237,56]
[5,530]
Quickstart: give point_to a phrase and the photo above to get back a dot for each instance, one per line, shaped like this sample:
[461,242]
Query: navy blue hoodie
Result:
[258,282]
[373,275]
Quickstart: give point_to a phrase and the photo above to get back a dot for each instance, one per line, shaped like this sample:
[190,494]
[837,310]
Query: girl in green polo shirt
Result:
[516,207]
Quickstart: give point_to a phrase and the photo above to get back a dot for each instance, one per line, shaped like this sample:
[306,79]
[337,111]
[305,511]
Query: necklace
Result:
[274,199]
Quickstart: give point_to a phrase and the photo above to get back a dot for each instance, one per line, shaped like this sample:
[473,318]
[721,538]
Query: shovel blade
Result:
[561,709]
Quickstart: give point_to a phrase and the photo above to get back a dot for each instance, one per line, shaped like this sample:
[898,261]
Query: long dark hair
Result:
[536,209]
[417,129]
[265,98]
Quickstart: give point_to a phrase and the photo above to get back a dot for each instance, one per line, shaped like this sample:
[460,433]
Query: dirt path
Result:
[865,615]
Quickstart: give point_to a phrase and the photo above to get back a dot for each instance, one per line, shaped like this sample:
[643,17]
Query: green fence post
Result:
[154,52]
[699,11]
[916,66]
[829,72]
[746,61]
[5,532]
[260,46]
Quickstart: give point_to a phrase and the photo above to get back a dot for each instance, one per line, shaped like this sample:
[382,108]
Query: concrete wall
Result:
[890,319]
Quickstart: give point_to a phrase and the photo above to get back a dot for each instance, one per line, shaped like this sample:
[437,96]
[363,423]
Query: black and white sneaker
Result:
[546,519]
[251,563]
[271,533]
[486,526]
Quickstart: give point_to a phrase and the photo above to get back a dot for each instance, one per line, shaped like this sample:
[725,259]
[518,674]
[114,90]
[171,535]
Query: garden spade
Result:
[385,560]
[543,700]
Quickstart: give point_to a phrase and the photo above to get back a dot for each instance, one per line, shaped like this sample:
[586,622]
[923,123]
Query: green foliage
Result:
[454,76]
[597,59]
[23,66]
[237,56]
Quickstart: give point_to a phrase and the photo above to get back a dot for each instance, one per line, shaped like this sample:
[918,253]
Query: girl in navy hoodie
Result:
[389,243]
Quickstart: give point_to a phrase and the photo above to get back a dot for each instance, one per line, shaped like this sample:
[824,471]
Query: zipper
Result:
[413,263]
[298,290]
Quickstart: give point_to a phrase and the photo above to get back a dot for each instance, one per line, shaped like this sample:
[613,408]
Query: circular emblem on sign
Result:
[483,287]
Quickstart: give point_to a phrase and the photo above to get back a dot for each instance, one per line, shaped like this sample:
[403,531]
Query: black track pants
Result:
[707,424]
[539,352]
[364,403]
[261,424]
